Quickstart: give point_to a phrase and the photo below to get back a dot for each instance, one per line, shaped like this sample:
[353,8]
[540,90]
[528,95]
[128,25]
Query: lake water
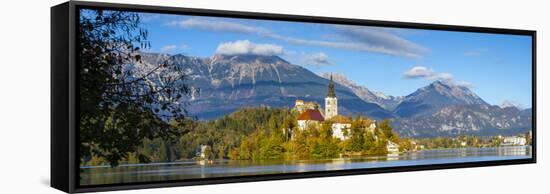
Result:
[93,175]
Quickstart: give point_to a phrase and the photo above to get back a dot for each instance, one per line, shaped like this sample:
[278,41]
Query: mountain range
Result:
[435,96]
[441,109]
[230,82]
[479,119]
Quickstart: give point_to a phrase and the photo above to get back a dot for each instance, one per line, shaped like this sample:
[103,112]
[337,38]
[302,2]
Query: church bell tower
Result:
[331,102]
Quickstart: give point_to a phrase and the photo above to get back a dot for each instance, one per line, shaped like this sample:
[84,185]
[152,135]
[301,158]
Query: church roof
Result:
[340,119]
[314,115]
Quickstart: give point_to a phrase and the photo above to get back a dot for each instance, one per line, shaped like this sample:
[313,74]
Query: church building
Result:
[310,114]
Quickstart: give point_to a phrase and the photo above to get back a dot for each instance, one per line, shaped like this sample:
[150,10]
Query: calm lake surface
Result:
[93,175]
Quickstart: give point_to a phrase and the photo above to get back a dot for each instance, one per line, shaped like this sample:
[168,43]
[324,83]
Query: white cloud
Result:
[173,48]
[218,25]
[241,47]
[318,59]
[421,72]
[418,72]
[168,48]
[443,76]
[365,39]
[383,40]
[464,84]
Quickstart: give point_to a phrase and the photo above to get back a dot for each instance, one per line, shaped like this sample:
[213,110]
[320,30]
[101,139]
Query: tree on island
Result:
[121,105]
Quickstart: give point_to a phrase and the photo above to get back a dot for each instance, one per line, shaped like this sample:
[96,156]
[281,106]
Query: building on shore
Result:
[514,141]
[203,152]
[340,127]
[392,147]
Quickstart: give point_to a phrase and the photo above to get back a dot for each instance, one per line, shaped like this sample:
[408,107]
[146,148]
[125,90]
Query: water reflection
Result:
[222,168]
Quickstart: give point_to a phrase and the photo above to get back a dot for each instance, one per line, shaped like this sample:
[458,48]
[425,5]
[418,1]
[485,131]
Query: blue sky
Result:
[390,60]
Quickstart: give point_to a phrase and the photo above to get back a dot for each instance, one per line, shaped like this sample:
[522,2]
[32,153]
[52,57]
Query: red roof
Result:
[314,115]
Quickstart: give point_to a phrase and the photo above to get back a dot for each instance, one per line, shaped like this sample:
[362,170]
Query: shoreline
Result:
[355,157]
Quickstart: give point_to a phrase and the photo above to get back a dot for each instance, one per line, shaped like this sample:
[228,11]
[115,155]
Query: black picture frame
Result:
[65,110]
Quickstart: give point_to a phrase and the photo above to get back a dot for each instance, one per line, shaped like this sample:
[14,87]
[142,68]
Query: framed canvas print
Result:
[146,96]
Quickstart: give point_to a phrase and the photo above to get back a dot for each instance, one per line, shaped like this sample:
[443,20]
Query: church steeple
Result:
[331,88]
[331,102]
